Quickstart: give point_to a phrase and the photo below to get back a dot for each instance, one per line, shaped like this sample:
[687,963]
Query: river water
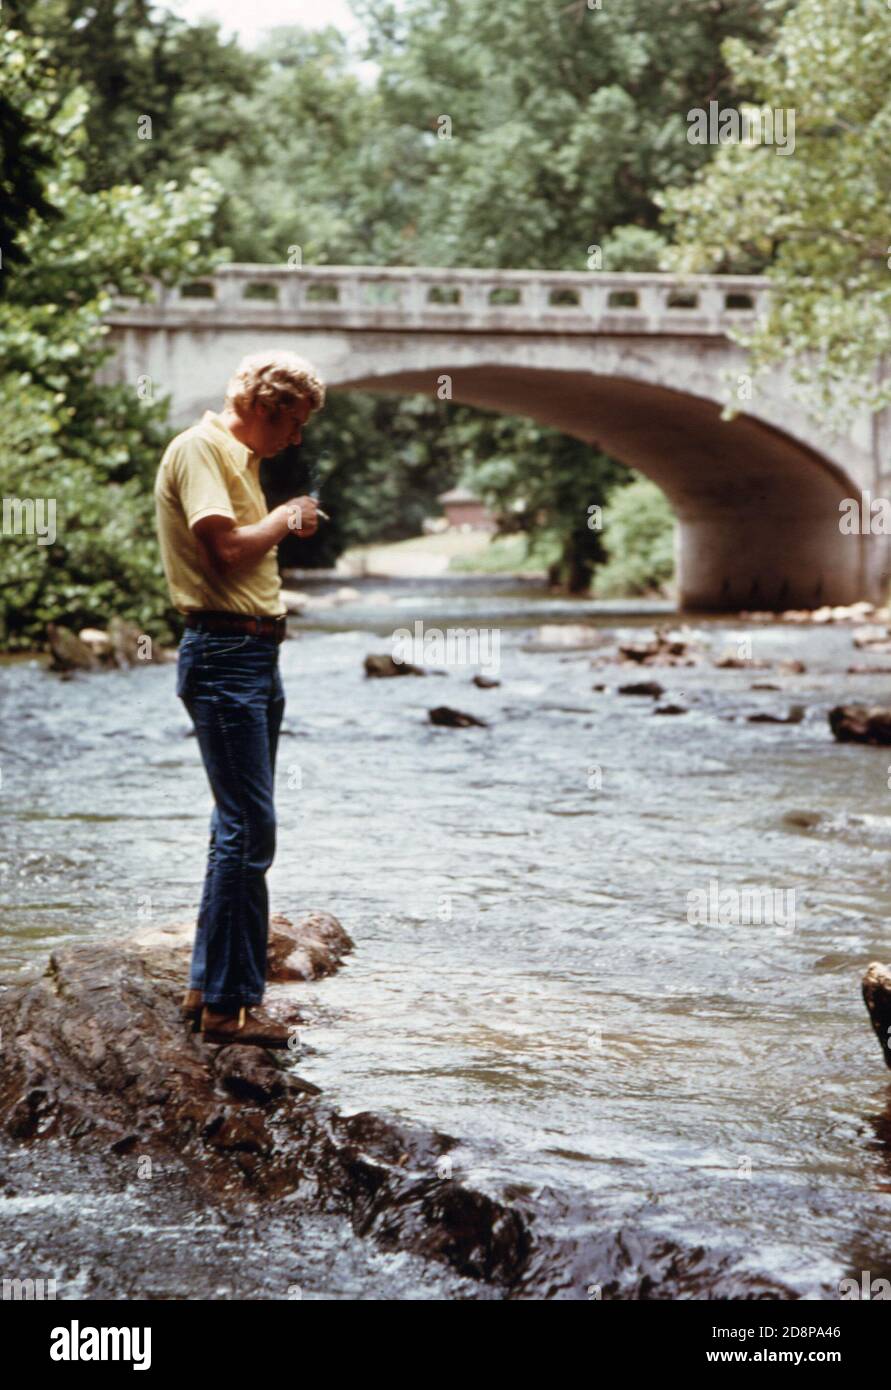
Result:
[695,1101]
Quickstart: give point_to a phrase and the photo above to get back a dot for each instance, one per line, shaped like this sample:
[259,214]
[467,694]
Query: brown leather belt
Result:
[251,624]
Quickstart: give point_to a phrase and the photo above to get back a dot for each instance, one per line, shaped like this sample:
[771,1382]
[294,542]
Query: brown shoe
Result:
[190,1008]
[247,1028]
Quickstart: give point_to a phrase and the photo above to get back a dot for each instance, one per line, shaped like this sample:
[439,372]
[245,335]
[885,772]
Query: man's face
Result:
[271,433]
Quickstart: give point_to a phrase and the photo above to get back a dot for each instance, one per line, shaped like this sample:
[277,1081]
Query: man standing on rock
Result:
[218,547]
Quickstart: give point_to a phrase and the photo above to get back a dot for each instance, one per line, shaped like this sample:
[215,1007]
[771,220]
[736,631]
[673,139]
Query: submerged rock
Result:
[554,637]
[448,718]
[729,661]
[873,638]
[651,688]
[485,682]
[794,716]
[381,665]
[663,649]
[861,724]
[803,820]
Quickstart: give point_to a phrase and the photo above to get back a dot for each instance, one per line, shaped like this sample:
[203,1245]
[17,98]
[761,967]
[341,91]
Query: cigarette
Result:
[323,515]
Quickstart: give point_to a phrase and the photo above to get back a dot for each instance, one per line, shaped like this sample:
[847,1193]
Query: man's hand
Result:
[226,547]
[303,518]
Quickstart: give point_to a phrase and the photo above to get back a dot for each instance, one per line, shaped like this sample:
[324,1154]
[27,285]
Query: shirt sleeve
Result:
[198,478]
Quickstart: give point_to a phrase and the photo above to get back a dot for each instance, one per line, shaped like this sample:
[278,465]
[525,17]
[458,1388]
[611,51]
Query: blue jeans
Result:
[233,692]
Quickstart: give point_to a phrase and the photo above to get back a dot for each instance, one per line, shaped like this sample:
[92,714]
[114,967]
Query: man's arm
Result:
[228,547]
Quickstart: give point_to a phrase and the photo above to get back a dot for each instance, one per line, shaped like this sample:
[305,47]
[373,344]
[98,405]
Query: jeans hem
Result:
[233,1001]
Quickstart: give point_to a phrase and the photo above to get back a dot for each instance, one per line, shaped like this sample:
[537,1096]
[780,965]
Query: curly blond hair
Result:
[278,380]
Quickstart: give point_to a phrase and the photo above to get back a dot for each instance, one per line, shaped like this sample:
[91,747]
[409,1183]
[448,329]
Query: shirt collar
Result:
[241,456]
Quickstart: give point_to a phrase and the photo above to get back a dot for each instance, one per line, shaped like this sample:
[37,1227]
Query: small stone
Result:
[381,665]
[98,641]
[802,820]
[650,688]
[873,636]
[68,651]
[448,718]
[795,715]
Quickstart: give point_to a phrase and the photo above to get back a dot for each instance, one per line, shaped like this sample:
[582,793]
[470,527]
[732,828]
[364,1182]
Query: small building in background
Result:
[464,511]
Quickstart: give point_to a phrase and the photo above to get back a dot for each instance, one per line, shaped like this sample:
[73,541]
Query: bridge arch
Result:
[757,501]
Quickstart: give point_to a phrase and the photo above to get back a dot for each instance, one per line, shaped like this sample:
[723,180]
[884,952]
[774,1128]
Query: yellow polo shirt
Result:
[206,472]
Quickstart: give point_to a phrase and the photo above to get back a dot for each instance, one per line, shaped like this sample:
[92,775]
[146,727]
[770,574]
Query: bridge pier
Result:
[771,563]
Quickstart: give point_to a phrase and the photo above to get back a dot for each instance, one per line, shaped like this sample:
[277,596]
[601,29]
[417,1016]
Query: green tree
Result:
[638,537]
[816,219]
[311,165]
[159,91]
[539,130]
[89,448]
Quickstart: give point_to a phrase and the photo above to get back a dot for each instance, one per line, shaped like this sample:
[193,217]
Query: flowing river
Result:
[697,1099]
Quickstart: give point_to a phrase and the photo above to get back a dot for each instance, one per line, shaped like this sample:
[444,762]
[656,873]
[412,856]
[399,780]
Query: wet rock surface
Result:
[652,689]
[381,665]
[447,718]
[93,649]
[861,724]
[794,715]
[96,1056]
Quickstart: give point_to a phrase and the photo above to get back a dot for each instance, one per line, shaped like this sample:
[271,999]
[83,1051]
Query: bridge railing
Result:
[427,298]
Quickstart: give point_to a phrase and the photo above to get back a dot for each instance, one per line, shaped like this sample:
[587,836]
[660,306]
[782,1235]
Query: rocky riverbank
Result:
[96,1058]
[95,1054]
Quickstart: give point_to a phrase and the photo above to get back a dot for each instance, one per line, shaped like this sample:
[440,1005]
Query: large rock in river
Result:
[95,1054]
[877,998]
[861,723]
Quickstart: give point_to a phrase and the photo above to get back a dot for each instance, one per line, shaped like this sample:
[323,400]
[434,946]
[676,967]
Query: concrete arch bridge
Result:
[638,365]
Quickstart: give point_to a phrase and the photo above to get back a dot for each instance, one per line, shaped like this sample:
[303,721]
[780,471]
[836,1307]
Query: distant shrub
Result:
[638,537]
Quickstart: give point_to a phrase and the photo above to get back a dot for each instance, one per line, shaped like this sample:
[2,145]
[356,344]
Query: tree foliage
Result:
[90,448]
[638,537]
[816,219]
